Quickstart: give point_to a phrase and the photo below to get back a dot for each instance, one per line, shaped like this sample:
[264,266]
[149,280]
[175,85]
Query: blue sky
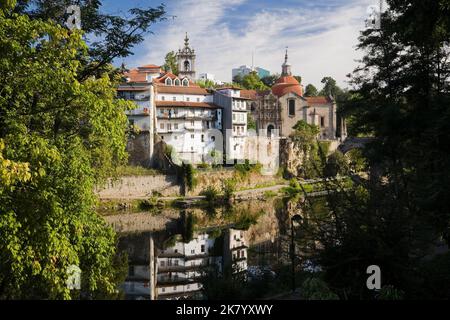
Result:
[321,35]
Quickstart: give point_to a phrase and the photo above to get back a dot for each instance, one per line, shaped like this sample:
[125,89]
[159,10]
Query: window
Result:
[198,99]
[162,137]
[175,263]
[188,99]
[185,82]
[203,248]
[163,289]
[291,107]
[188,287]
[322,122]
[169,126]
[203,138]
[175,126]
[192,136]
[131,271]
[161,126]
[168,82]
[163,98]
[234,116]
[174,98]
[177,82]
[163,264]
[176,251]
[192,123]
[175,137]
[175,288]
[193,251]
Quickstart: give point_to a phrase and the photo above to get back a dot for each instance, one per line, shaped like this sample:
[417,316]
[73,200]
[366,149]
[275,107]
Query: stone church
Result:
[284,105]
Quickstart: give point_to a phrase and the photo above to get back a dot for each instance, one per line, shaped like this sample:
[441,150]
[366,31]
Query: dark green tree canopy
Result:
[311,91]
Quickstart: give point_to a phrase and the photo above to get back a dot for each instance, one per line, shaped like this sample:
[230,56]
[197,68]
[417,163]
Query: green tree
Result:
[109,36]
[311,91]
[61,133]
[269,81]
[251,123]
[171,63]
[298,78]
[396,216]
[253,82]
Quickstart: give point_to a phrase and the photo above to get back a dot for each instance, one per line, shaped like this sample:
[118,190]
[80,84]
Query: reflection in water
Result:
[170,263]
[173,269]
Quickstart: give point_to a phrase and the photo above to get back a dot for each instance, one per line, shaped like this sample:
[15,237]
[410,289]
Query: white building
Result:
[174,272]
[234,121]
[186,118]
[210,77]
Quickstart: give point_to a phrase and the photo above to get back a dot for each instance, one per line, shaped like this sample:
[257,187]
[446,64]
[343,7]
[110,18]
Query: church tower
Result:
[286,67]
[186,61]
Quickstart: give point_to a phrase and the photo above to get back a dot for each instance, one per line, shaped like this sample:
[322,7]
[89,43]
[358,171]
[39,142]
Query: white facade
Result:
[189,123]
[180,267]
[235,122]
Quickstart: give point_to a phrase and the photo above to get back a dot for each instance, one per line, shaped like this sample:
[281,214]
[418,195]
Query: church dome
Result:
[285,85]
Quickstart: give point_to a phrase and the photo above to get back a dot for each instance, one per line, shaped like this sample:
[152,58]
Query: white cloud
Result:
[312,53]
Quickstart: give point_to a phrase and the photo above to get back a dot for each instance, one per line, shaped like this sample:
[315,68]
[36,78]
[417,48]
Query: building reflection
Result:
[165,267]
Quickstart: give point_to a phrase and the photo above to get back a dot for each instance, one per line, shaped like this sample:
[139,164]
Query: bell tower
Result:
[186,61]
[286,67]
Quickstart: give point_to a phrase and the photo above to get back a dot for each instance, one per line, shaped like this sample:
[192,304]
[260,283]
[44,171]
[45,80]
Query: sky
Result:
[321,35]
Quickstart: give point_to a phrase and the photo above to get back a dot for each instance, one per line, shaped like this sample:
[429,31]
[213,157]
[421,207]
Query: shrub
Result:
[229,187]
[211,194]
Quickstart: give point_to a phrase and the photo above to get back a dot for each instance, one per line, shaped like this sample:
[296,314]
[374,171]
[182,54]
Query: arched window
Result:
[253,107]
[187,66]
[185,82]
[168,82]
[177,82]
[270,129]
[291,107]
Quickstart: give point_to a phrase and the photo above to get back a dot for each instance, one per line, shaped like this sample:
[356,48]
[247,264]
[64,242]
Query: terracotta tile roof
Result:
[318,100]
[136,76]
[150,66]
[180,89]
[186,104]
[250,94]
[285,85]
[228,87]
[126,87]
[162,79]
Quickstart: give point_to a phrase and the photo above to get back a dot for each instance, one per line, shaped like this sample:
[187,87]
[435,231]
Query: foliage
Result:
[207,84]
[250,81]
[62,131]
[244,169]
[311,91]
[188,173]
[298,78]
[170,63]
[229,187]
[188,226]
[110,36]
[203,165]
[314,288]
[388,292]
[400,97]
[269,81]
[211,194]
[251,123]
[337,164]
